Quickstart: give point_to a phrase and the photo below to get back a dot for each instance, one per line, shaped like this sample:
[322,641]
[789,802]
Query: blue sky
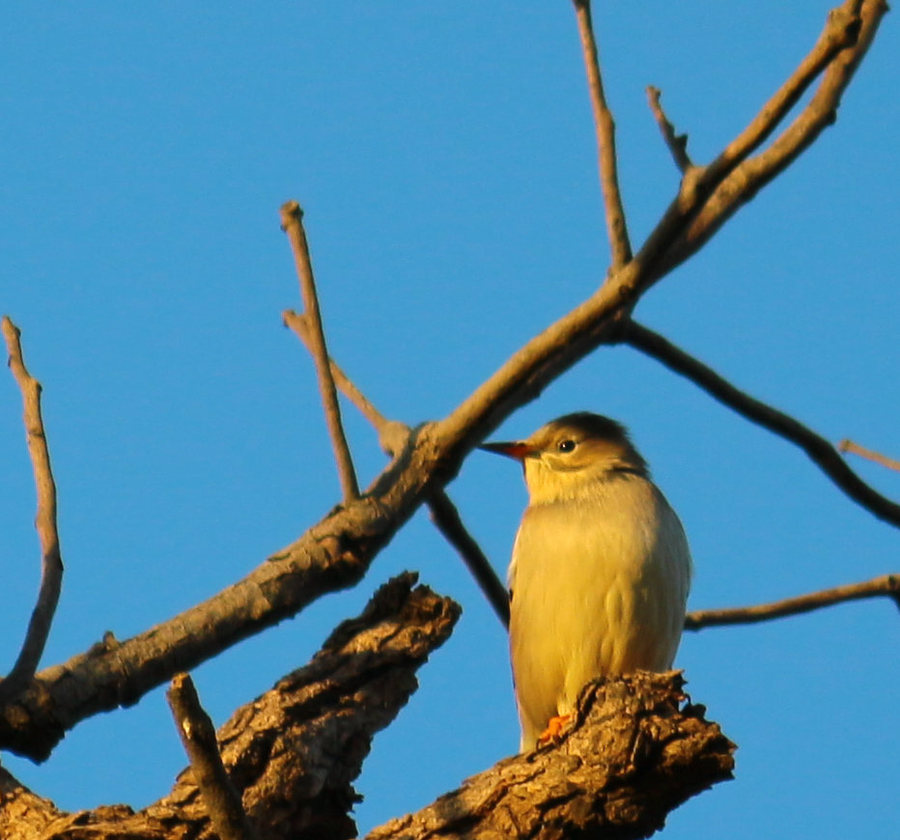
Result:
[444,156]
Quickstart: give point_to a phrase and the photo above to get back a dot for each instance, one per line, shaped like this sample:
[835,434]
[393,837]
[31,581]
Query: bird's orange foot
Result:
[554,729]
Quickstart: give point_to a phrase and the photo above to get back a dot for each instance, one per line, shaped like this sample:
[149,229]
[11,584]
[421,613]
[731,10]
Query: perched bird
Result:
[600,568]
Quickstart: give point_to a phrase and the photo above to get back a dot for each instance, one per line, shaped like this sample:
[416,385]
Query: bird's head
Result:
[571,452]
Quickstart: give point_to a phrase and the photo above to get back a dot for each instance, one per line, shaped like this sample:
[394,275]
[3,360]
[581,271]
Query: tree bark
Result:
[292,753]
[634,754]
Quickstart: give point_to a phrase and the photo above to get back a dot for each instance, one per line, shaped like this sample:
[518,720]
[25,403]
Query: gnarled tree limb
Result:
[635,754]
[292,753]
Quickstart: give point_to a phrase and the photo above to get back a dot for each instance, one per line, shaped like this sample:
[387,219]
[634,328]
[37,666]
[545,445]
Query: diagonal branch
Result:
[45,521]
[336,552]
[736,180]
[292,753]
[822,453]
[847,445]
[616,226]
[676,143]
[392,435]
[446,517]
[292,225]
[884,586]
[222,802]
[635,754]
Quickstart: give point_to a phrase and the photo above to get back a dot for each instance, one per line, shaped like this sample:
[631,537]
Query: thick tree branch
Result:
[847,445]
[616,226]
[635,754]
[45,521]
[883,586]
[336,552]
[820,450]
[676,143]
[292,753]
[221,800]
[292,225]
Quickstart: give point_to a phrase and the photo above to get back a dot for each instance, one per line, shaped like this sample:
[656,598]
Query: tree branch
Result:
[292,225]
[199,739]
[845,40]
[392,435]
[676,143]
[446,517]
[886,585]
[635,754]
[292,753]
[616,226]
[820,451]
[336,552]
[847,445]
[45,520]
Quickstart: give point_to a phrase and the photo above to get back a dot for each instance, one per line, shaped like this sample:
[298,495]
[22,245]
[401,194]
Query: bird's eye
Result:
[566,445]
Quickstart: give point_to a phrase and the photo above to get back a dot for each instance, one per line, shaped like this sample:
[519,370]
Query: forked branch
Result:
[820,450]
[292,225]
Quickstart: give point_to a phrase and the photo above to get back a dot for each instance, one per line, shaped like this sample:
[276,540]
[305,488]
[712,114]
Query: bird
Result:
[600,569]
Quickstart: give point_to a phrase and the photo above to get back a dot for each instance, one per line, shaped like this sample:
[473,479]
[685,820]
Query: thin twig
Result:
[223,804]
[606,139]
[816,447]
[884,586]
[847,445]
[446,517]
[677,143]
[45,521]
[392,436]
[292,225]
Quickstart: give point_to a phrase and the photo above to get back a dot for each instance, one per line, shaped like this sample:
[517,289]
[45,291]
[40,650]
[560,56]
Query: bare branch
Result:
[847,445]
[676,143]
[45,521]
[393,435]
[292,225]
[635,754]
[845,40]
[886,585]
[198,735]
[606,139]
[293,752]
[336,552]
[446,517]
[815,446]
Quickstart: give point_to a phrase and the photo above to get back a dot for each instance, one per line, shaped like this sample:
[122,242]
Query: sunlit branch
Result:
[198,735]
[884,586]
[606,139]
[292,224]
[45,520]
[847,445]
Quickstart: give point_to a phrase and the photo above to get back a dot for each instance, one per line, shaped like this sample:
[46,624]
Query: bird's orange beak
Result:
[513,449]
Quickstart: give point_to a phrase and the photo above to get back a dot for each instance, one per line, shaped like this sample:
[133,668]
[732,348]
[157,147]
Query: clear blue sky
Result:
[444,155]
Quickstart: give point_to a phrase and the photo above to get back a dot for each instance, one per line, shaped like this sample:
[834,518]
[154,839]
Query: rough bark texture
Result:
[292,753]
[636,752]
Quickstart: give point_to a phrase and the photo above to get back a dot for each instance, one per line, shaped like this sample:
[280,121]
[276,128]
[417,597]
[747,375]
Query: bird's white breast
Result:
[599,584]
